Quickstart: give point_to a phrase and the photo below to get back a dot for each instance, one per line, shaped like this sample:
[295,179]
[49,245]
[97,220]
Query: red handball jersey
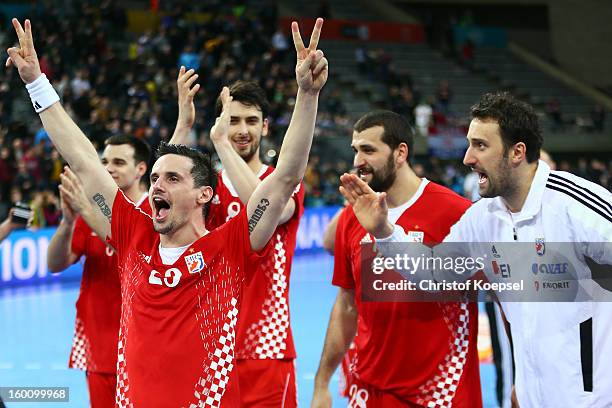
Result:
[422,352]
[178,322]
[98,308]
[263,330]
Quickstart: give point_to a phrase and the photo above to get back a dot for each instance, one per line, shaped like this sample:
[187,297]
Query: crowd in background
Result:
[113,82]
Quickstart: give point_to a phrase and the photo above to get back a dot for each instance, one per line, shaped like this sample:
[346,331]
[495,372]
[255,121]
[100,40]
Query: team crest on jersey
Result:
[416,236]
[195,262]
[540,246]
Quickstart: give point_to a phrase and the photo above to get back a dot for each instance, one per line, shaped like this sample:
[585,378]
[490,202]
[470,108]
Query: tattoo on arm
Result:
[101,201]
[258,213]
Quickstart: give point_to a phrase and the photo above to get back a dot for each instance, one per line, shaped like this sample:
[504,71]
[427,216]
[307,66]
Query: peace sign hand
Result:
[311,68]
[24,57]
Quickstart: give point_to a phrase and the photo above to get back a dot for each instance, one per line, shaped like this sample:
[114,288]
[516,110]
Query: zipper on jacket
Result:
[514,234]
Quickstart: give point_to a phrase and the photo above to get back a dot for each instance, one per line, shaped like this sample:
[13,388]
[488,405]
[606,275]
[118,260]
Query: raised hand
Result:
[73,194]
[311,69]
[186,93]
[68,213]
[220,131]
[24,57]
[369,207]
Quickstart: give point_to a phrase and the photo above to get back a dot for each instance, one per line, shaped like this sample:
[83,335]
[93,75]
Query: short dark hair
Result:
[202,171]
[142,150]
[248,93]
[517,120]
[396,127]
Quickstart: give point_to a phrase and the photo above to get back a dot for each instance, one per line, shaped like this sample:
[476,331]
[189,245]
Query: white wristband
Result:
[42,93]
[398,235]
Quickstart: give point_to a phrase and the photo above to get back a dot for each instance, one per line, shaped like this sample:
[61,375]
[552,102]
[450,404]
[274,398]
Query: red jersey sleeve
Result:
[127,221]
[298,198]
[79,237]
[343,271]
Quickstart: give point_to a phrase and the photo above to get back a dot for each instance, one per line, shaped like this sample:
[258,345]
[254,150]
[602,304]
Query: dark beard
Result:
[383,180]
[247,156]
[503,186]
[163,230]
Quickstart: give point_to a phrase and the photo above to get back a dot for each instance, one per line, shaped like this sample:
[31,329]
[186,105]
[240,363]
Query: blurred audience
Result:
[114,81]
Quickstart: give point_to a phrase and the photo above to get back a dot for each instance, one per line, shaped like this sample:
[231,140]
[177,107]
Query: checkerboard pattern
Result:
[209,391]
[128,289]
[439,392]
[267,338]
[80,356]
[122,399]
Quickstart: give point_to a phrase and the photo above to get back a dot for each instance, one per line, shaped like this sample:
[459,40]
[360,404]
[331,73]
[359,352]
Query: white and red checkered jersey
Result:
[178,322]
[98,308]
[264,331]
[422,352]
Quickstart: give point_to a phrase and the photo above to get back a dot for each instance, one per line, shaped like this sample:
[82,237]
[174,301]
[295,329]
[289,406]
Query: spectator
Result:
[361,58]
[467,54]
[423,115]
[279,45]
[546,158]
[334,104]
[189,59]
[80,84]
[553,109]
[444,96]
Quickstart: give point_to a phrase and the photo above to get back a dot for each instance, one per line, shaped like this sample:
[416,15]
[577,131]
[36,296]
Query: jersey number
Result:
[232,210]
[171,277]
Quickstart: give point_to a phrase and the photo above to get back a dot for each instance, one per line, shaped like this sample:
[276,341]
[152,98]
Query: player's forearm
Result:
[59,251]
[295,150]
[340,333]
[69,140]
[181,135]
[329,235]
[242,177]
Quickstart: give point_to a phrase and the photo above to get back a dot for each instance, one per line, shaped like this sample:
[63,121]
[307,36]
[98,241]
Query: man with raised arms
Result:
[181,285]
[265,352]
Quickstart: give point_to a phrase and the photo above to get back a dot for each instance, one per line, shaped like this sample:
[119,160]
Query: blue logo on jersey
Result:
[195,263]
[549,268]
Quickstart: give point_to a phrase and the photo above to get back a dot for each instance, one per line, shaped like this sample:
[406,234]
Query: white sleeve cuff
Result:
[398,235]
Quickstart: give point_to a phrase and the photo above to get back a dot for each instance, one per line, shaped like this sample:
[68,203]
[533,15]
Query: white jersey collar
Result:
[144,197]
[533,203]
[395,213]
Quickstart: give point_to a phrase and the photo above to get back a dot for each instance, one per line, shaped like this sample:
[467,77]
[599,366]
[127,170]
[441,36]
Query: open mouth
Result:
[362,173]
[161,208]
[482,178]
